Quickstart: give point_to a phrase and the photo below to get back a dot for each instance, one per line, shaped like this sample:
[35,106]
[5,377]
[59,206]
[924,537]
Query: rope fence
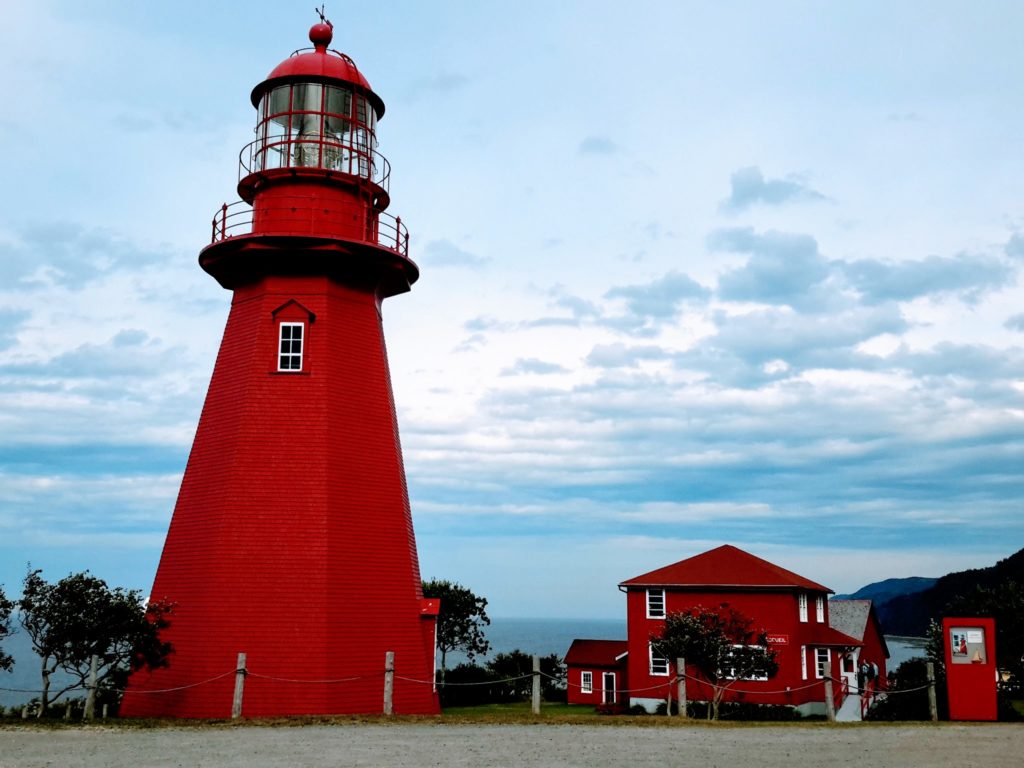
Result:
[388,677]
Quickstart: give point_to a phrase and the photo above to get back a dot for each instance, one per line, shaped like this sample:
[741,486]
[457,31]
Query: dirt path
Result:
[476,746]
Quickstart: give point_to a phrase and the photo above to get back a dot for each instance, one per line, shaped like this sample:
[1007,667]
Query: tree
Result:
[6,606]
[721,644]
[461,621]
[79,617]
[517,668]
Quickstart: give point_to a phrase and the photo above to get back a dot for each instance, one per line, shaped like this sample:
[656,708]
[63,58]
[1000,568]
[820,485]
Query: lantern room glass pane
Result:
[338,101]
[276,101]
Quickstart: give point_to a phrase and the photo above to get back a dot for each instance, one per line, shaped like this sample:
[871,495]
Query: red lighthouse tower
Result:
[292,539]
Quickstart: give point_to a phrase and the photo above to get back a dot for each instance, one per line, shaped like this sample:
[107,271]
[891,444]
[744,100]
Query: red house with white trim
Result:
[793,610]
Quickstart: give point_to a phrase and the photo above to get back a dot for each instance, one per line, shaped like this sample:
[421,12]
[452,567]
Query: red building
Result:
[292,539]
[793,610]
[597,673]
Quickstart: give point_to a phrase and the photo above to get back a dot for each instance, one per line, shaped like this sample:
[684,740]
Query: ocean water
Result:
[543,636]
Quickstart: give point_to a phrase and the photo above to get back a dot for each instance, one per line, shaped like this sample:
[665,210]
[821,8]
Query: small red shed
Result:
[597,673]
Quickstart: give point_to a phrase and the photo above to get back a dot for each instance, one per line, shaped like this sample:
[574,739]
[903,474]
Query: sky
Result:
[692,274]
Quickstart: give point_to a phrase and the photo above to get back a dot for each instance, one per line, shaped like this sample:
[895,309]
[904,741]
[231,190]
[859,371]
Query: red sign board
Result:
[970,667]
[777,639]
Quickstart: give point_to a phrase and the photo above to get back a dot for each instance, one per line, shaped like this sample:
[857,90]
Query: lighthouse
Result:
[292,539]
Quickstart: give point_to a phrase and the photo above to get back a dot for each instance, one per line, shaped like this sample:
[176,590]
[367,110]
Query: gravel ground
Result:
[423,745]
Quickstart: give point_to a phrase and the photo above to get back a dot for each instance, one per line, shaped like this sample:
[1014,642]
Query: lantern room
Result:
[316,110]
[313,170]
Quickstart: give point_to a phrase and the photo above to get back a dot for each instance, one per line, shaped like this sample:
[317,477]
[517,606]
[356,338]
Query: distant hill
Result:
[883,591]
[909,613]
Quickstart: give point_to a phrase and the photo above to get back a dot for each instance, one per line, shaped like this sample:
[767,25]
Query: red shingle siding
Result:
[292,537]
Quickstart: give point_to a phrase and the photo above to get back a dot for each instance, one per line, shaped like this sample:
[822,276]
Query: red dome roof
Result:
[318,65]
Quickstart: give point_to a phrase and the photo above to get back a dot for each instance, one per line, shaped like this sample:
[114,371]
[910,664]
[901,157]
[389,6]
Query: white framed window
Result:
[819,609]
[822,662]
[803,662]
[655,603]
[801,601]
[289,351]
[729,671]
[586,682]
[659,664]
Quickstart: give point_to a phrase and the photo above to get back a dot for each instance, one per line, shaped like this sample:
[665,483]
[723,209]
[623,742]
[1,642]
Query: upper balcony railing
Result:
[380,229]
[315,151]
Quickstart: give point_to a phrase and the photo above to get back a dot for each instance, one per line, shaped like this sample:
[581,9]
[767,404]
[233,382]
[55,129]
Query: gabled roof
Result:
[725,566]
[851,617]
[595,653]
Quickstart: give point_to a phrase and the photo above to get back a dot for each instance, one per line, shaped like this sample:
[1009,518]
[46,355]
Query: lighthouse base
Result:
[292,540]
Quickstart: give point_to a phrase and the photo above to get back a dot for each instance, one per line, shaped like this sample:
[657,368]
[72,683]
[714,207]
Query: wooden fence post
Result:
[536,685]
[830,703]
[389,683]
[933,707]
[668,700]
[105,708]
[90,699]
[24,712]
[681,685]
[236,701]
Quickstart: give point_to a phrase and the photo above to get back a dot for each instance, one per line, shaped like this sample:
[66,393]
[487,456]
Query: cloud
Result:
[964,275]
[10,320]
[598,145]
[661,298]
[533,365]
[1015,322]
[129,353]
[749,187]
[783,268]
[620,355]
[1015,246]
[444,253]
[966,362]
[762,340]
[65,254]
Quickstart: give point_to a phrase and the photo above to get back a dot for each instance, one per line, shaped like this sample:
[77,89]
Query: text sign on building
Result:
[774,638]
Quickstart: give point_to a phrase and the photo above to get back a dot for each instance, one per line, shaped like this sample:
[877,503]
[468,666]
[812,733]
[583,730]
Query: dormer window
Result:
[289,357]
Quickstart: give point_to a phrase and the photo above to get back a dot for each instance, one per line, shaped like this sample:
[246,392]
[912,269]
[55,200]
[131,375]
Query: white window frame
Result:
[586,681]
[658,663]
[819,609]
[819,671]
[801,601]
[730,673]
[803,662]
[290,355]
[653,612]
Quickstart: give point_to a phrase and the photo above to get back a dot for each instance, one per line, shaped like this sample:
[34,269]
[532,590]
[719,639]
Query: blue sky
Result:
[698,273]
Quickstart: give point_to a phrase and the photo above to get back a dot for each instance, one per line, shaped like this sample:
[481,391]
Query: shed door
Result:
[608,693]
